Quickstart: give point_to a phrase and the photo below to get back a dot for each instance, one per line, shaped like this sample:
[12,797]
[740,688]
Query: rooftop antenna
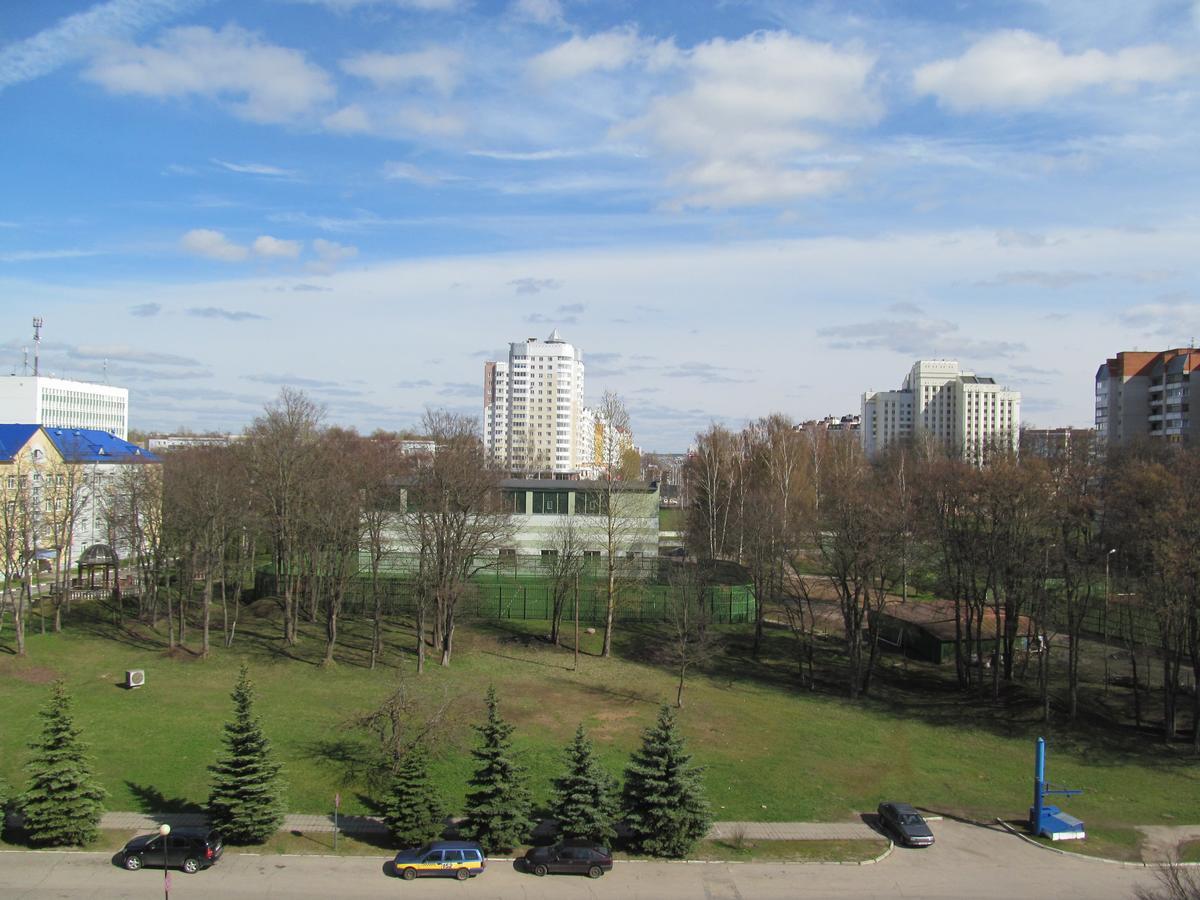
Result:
[25,365]
[38,322]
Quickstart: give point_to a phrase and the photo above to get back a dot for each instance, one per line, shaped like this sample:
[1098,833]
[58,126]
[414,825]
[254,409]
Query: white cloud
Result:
[544,12]
[352,119]
[438,66]
[432,124]
[262,82]
[256,169]
[420,5]
[607,51]
[273,247]
[39,255]
[213,245]
[750,107]
[329,254]
[1019,70]
[75,37]
[402,171]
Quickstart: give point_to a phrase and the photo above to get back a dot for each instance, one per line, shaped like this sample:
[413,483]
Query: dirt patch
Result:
[34,674]
[182,654]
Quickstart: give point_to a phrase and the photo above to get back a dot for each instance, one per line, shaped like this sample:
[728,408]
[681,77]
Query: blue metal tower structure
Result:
[1050,821]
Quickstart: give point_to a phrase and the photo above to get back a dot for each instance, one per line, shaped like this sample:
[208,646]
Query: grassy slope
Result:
[772,752]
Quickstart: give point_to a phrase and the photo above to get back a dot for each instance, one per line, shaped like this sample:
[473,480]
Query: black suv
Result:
[190,849]
[570,858]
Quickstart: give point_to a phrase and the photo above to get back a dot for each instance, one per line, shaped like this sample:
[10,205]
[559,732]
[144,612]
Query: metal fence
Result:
[533,598]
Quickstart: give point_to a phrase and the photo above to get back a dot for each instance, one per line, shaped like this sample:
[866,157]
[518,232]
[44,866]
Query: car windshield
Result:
[910,819]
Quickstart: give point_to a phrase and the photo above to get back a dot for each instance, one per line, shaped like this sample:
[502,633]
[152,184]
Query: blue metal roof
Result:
[90,445]
[13,438]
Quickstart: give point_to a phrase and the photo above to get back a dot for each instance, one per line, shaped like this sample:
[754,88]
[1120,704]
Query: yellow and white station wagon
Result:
[462,859]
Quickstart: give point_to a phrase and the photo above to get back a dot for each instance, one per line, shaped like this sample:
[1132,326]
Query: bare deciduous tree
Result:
[282,445]
[691,641]
[455,522]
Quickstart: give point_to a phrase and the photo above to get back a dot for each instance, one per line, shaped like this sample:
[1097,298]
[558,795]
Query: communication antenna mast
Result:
[38,322]
[25,365]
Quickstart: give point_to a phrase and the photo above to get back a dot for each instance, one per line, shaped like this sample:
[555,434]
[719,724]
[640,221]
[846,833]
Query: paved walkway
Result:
[755,831]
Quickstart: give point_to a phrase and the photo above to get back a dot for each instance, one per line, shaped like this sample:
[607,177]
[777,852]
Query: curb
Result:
[512,859]
[1100,859]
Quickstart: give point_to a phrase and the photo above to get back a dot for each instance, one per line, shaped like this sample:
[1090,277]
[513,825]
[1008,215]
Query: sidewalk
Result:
[316,824]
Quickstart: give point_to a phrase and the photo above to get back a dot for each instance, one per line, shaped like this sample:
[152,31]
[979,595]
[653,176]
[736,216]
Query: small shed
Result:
[925,630]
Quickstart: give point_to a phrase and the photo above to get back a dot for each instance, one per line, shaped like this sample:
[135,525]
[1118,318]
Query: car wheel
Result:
[595,872]
[539,870]
[462,874]
[191,866]
[133,863]
[409,874]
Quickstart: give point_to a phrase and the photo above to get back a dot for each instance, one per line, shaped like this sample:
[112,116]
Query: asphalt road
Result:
[966,862]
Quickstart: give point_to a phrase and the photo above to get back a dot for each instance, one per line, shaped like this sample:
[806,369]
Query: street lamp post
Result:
[163,830]
[1107,557]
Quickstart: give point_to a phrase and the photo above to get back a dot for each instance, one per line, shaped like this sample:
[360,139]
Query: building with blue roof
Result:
[59,486]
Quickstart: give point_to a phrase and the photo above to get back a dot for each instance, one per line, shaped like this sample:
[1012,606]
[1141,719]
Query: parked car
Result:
[462,859]
[190,849]
[570,858]
[906,824]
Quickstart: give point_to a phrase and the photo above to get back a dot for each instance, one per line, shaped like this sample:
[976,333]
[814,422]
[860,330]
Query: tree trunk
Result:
[420,637]
[606,652]
[170,624]
[208,591]
[19,621]
[331,623]
[448,639]
[377,629]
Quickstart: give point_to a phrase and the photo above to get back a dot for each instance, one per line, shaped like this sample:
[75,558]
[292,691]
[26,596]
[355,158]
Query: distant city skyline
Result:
[737,209]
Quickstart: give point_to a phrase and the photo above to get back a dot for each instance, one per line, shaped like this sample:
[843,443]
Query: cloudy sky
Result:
[733,208]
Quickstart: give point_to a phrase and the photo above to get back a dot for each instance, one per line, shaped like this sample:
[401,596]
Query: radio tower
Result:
[38,322]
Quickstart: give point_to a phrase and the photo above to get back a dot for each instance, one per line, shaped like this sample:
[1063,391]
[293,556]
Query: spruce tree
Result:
[663,799]
[413,811]
[63,803]
[245,801]
[498,807]
[585,797]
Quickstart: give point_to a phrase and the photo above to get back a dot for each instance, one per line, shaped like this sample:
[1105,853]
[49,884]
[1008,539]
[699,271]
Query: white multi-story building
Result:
[533,407]
[60,403]
[940,401]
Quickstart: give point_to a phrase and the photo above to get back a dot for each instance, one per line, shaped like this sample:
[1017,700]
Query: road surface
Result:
[966,861]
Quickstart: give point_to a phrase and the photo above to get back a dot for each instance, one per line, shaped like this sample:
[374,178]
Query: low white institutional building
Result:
[940,401]
[61,403]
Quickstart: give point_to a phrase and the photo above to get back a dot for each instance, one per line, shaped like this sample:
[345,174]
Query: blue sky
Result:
[733,208]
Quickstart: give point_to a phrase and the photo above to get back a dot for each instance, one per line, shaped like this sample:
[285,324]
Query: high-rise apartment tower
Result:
[533,412]
[1146,394]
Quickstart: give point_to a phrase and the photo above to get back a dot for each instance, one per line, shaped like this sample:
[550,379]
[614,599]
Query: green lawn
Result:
[773,752]
[671,519]
[1189,851]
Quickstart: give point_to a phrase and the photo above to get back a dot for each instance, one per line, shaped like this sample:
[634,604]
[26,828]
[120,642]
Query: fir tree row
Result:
[661,804]
[63,802]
